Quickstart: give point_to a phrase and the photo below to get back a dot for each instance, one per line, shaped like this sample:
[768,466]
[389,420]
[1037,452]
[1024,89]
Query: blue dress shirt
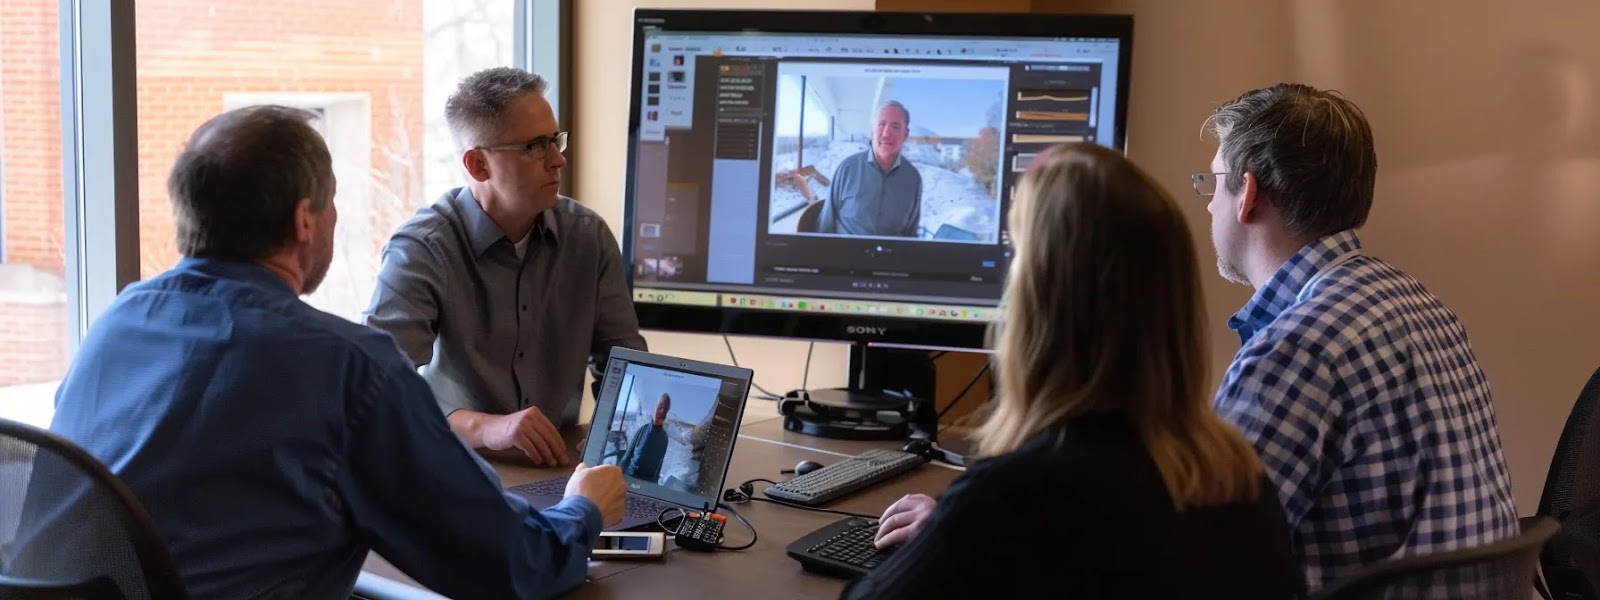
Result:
[1361,392]
[275,445]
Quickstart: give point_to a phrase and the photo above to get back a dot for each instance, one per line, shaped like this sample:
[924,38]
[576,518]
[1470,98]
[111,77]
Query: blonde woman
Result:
[1104,473]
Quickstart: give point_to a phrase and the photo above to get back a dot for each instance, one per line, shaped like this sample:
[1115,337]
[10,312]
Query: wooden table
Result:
[763,570]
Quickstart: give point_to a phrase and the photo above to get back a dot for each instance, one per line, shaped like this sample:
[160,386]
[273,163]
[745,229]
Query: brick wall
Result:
[30,128]
[190,54]
[35,341]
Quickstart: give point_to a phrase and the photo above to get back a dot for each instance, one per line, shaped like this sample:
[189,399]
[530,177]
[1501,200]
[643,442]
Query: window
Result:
[378,71]
[33,272]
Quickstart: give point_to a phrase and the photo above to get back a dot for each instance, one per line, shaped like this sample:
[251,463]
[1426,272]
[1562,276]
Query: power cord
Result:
[805,379]
[964,390]
[747,525]
[765,395]
[746,493]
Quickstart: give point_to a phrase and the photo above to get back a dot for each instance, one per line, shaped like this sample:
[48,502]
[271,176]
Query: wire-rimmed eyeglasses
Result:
[1205,184]
[536,148]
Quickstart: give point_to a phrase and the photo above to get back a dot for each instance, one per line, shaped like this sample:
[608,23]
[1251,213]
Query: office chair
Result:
[1571,561]
[70,529]
[1502,570]
[809,217]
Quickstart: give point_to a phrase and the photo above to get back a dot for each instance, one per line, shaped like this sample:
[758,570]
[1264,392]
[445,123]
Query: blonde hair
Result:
[1103,314]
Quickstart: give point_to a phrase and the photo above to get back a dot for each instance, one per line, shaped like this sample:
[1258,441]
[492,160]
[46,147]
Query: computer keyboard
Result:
[844,477]
[842,549]
[634,506]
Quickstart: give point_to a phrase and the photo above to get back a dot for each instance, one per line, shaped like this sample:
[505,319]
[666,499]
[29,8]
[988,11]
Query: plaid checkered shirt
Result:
[1362,395]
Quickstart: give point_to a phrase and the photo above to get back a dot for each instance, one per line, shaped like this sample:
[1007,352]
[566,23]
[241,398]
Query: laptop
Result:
[669,423]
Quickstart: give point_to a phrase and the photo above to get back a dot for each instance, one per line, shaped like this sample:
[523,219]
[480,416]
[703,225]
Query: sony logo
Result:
[865,330]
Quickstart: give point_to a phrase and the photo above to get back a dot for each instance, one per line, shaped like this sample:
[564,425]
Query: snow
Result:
[949,196]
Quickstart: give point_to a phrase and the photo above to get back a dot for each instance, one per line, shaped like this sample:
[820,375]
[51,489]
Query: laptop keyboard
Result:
[635,507]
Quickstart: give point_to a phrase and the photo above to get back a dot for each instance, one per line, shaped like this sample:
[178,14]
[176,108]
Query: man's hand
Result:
[527,430]
[603,486]
[903,519]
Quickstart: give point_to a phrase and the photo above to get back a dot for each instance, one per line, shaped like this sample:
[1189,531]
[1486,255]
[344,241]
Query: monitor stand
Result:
[888,388]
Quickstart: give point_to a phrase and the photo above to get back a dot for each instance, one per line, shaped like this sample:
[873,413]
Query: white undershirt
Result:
[522,244]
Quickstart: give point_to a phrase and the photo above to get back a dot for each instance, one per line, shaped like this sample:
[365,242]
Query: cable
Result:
[681,514]
[765,395]
[747,525]
[746,493]
[964,390]
[806,378]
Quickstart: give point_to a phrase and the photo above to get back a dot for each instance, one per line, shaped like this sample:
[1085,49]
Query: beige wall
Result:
[1488,127]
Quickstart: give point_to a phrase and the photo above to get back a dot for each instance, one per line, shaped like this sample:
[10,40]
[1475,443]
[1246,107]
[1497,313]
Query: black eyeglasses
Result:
[536,148]
[1205,184]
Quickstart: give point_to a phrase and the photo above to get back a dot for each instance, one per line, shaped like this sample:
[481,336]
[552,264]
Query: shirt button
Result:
[524,307]
[519,355]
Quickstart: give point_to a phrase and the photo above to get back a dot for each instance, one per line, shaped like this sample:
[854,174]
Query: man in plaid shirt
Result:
[1358,386]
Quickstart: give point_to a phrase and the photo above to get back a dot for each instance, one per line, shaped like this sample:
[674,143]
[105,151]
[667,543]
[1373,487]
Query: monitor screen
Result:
[669,428]
[802,164]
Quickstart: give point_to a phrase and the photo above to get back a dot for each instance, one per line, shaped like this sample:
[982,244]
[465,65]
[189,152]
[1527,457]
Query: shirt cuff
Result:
[585,508]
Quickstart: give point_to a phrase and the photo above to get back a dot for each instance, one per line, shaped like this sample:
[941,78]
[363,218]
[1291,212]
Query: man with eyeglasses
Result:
[876,192]
[502,290]
[1358,387]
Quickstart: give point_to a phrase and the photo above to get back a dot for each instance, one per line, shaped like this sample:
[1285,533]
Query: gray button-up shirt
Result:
[865,200]
[493,333]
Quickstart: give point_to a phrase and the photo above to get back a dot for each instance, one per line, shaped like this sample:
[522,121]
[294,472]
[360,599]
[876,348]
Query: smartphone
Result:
[630,544]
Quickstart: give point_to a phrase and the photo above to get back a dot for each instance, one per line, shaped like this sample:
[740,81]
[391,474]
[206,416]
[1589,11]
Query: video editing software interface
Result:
[848,173]
[688,450]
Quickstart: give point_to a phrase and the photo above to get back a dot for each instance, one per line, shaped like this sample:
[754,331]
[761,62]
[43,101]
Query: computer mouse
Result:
[806,466]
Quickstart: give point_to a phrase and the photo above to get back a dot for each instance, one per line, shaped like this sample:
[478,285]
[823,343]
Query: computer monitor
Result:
[844,176]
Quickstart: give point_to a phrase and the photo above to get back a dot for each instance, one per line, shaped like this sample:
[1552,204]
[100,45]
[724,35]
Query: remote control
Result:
[700,531]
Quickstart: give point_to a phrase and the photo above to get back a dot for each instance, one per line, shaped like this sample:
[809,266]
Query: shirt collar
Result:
[482,232]
[1282,289]
[899,159]
[237,270]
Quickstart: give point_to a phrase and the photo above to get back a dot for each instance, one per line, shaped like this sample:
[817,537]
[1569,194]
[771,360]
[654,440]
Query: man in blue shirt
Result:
[1358,387]
[275,445]
[649,447]
[876,192]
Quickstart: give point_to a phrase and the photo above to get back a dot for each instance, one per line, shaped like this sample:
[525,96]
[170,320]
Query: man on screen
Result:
[877,192]
[649,445]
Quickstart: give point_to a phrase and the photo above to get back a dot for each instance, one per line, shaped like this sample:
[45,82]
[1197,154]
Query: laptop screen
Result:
[669,424]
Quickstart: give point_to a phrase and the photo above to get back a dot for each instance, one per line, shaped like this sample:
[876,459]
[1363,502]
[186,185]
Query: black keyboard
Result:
[842,549]
[634,505]
[844,477]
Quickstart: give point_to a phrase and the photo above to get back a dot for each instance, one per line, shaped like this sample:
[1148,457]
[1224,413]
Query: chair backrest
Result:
[809,217]
[69,528]
[1502,570]
[1573,485]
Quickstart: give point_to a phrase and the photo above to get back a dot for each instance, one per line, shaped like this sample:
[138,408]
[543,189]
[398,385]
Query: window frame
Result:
[100,158]
[99,136]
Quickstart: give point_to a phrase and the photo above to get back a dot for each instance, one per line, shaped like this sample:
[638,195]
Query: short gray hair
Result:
[1310,150]
[478,106]
[896,104]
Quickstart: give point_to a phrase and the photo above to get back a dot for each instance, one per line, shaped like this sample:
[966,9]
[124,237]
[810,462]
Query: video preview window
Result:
[663,430]
[888,151]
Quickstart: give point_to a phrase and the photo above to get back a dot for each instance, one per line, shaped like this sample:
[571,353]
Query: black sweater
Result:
[1080,511]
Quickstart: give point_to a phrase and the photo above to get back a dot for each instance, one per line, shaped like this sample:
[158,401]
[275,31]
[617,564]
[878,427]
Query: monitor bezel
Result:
[606,408]
[854,328]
